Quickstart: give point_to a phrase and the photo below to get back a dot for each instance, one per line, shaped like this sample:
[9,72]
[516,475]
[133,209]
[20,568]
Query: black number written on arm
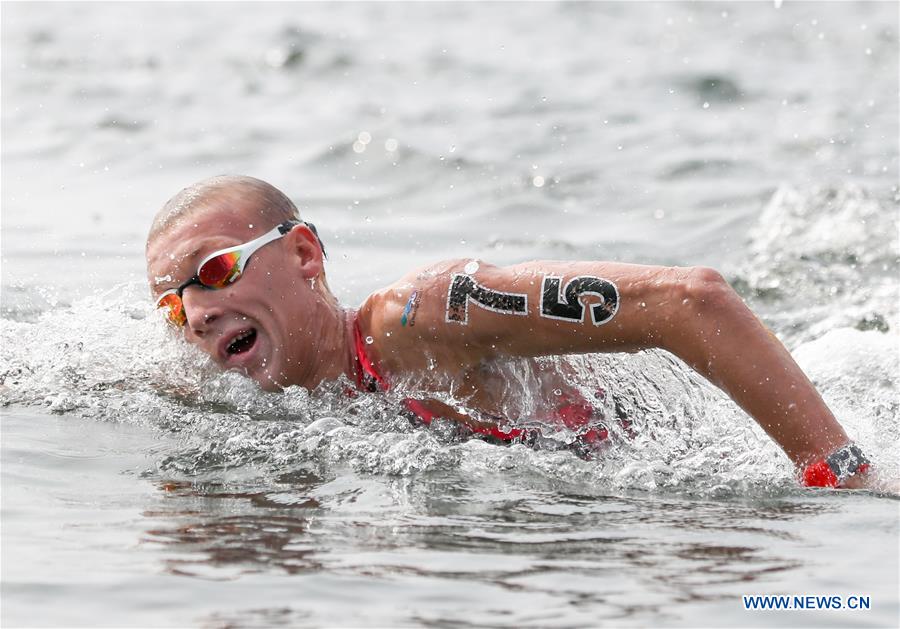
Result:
[558,302]
[463,289]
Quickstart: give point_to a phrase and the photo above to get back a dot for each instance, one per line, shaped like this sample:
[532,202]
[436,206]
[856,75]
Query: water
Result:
[141,487]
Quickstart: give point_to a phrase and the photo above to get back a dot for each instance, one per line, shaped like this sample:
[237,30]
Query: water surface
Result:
[140,487]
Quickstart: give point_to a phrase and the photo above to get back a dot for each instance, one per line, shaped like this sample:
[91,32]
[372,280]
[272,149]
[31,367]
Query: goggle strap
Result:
[312,228]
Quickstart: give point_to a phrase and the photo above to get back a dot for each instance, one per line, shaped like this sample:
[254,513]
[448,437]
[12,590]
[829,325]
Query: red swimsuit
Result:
[574,415]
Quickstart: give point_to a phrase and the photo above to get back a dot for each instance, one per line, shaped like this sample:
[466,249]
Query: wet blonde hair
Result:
[225,191]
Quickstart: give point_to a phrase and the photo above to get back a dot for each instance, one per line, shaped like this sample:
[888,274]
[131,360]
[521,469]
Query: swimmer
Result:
[233,265]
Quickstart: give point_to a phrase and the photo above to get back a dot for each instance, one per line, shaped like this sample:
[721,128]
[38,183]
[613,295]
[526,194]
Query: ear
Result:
[304,251]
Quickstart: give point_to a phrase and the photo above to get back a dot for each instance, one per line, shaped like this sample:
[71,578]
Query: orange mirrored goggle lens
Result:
[174,308]
[216,272]
[220,270]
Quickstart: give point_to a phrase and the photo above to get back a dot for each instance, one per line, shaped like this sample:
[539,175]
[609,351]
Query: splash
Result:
[121,364]
[824,258]
[822,268]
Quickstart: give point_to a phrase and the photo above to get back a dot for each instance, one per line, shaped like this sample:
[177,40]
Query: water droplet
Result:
[387,333]
[471,267]
[358,147]
[538,181]
[557,391]
[364,137]
[705,105]
[369,340]
[391,145]
[452,148]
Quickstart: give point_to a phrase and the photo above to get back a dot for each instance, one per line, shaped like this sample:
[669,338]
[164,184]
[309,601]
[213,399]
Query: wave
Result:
[123,365]
[822,265]
[823,258]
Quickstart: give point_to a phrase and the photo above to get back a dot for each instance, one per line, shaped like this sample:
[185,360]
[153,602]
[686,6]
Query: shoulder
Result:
[436,277]
[408,318]
[441,273]
[387,305]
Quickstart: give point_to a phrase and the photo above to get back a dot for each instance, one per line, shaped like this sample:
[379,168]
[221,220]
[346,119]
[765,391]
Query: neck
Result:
[335,350]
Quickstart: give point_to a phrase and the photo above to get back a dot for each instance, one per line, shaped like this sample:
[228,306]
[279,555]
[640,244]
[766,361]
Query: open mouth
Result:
[243,342]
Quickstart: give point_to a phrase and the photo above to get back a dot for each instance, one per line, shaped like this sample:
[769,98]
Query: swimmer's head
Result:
[225,192]
[266,323]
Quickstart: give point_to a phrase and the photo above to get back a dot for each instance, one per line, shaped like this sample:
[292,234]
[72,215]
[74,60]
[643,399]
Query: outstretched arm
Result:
[545,308]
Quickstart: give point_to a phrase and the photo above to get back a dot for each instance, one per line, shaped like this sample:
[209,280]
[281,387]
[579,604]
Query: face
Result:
[265,323]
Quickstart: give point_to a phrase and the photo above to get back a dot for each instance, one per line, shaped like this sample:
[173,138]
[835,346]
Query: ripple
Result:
[717,88]
[714,167]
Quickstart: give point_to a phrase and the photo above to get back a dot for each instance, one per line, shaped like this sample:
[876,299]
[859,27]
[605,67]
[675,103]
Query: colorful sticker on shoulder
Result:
[558,302]
[464,289]
[409,312]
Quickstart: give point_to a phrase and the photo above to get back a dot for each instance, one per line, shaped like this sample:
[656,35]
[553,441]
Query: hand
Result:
[873,482]
[858,481]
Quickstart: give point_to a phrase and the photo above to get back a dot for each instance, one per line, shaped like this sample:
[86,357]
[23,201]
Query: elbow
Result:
[705,291]
[705,301]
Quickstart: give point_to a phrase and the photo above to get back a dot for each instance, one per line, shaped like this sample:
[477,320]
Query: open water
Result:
[142,488]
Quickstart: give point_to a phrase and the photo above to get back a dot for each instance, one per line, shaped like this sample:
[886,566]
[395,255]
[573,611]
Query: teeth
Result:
[233,346]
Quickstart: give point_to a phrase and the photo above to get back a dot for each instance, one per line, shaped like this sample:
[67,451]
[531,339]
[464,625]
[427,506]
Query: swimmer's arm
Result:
[690,312]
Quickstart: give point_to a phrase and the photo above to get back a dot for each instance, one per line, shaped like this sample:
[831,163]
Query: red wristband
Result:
[819,475]
[837,467]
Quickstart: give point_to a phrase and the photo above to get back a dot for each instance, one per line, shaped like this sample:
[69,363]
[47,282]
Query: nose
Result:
[201,307]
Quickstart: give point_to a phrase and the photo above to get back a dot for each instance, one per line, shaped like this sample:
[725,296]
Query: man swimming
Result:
[232,264]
